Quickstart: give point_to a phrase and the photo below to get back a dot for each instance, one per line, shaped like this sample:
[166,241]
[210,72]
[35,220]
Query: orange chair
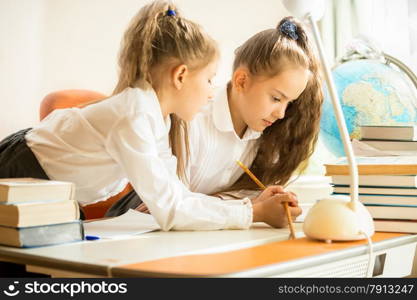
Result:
[71,98]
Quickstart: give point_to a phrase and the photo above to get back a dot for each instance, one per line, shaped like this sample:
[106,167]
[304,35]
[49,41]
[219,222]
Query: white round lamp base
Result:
[334,219]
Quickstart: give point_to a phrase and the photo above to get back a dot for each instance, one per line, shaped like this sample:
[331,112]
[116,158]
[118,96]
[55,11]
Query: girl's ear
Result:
[179,75]
[240,78]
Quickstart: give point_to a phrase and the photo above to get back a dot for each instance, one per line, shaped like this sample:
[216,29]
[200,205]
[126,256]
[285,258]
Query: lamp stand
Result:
[338,218]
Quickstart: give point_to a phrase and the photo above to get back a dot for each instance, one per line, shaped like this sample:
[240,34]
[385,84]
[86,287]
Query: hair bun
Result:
[171,13]
[289,28]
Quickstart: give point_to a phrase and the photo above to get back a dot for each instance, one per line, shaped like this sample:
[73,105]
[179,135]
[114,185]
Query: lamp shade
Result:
[302,8]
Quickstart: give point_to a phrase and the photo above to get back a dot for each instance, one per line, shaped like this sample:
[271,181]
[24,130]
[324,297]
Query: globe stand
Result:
[333,218]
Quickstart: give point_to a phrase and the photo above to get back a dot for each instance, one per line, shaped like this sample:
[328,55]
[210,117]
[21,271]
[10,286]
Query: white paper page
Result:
[363,149]
[381,160]
[128,224]
[310,188]
[305,209]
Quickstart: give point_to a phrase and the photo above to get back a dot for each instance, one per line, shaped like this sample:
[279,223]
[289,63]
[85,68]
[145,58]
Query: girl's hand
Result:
[273,190]
[143,208]
[271,209]
[268,192]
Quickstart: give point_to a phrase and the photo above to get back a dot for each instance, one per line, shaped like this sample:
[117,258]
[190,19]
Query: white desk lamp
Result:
[337,218]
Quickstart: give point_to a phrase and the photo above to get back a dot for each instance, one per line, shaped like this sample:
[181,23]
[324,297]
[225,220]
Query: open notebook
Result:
[128,224]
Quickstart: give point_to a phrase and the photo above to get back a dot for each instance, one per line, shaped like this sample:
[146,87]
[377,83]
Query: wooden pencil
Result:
[262,186]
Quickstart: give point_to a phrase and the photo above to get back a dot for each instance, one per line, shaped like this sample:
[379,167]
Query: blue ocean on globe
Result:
[371,93]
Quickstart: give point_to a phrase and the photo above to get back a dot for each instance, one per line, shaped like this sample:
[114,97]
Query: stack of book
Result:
[387,184]
[397,140]
[36,212]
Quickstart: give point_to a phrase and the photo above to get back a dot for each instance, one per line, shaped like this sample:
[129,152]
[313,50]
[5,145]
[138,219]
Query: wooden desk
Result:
[290,258]
[258,252]
[96,258]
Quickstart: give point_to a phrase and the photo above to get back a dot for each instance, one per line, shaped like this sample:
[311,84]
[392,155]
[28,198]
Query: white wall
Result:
[48,45]
[21,60]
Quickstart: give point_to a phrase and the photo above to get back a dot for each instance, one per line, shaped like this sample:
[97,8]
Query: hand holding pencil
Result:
[271,202]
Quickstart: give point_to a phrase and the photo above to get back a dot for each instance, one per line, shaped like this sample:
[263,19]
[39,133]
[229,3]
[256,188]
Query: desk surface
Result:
[168,253]
[259,260]
[96,257]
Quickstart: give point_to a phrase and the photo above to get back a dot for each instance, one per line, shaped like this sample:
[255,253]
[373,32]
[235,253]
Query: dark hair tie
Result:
[171,13]
[289,29]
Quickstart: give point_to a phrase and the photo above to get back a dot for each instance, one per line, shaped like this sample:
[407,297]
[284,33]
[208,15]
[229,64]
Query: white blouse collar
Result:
[149,103]
[223,119]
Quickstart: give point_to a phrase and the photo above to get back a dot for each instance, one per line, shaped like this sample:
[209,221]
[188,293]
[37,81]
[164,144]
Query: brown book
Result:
[401,133]
[392,212]
[378,165]
[407,181]
[398,146]
[17,190]
[38,213]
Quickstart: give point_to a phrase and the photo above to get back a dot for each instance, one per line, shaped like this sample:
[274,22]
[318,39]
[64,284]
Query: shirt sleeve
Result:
[240,194]
[133,145]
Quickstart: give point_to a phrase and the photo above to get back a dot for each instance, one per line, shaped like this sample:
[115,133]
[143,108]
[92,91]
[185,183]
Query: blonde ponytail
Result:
[157,35]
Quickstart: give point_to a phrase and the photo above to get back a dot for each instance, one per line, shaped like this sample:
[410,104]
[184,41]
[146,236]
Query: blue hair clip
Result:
[290,29]
[171,13]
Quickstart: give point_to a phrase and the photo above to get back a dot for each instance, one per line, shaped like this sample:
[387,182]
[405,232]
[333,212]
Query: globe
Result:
[371,93]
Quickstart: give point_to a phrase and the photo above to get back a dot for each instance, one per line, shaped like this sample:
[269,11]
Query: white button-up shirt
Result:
[125,138]
[215,147]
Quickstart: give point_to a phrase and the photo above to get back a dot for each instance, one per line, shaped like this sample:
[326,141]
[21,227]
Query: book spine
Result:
[387,191]
[378,181]
[51,234]
[388,145]
[392,212]
[372,170]
[403,227]
[395,133]
[368,199]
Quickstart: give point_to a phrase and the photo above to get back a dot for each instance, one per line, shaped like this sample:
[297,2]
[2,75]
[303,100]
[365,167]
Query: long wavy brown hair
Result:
[157,35]
[285,146]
